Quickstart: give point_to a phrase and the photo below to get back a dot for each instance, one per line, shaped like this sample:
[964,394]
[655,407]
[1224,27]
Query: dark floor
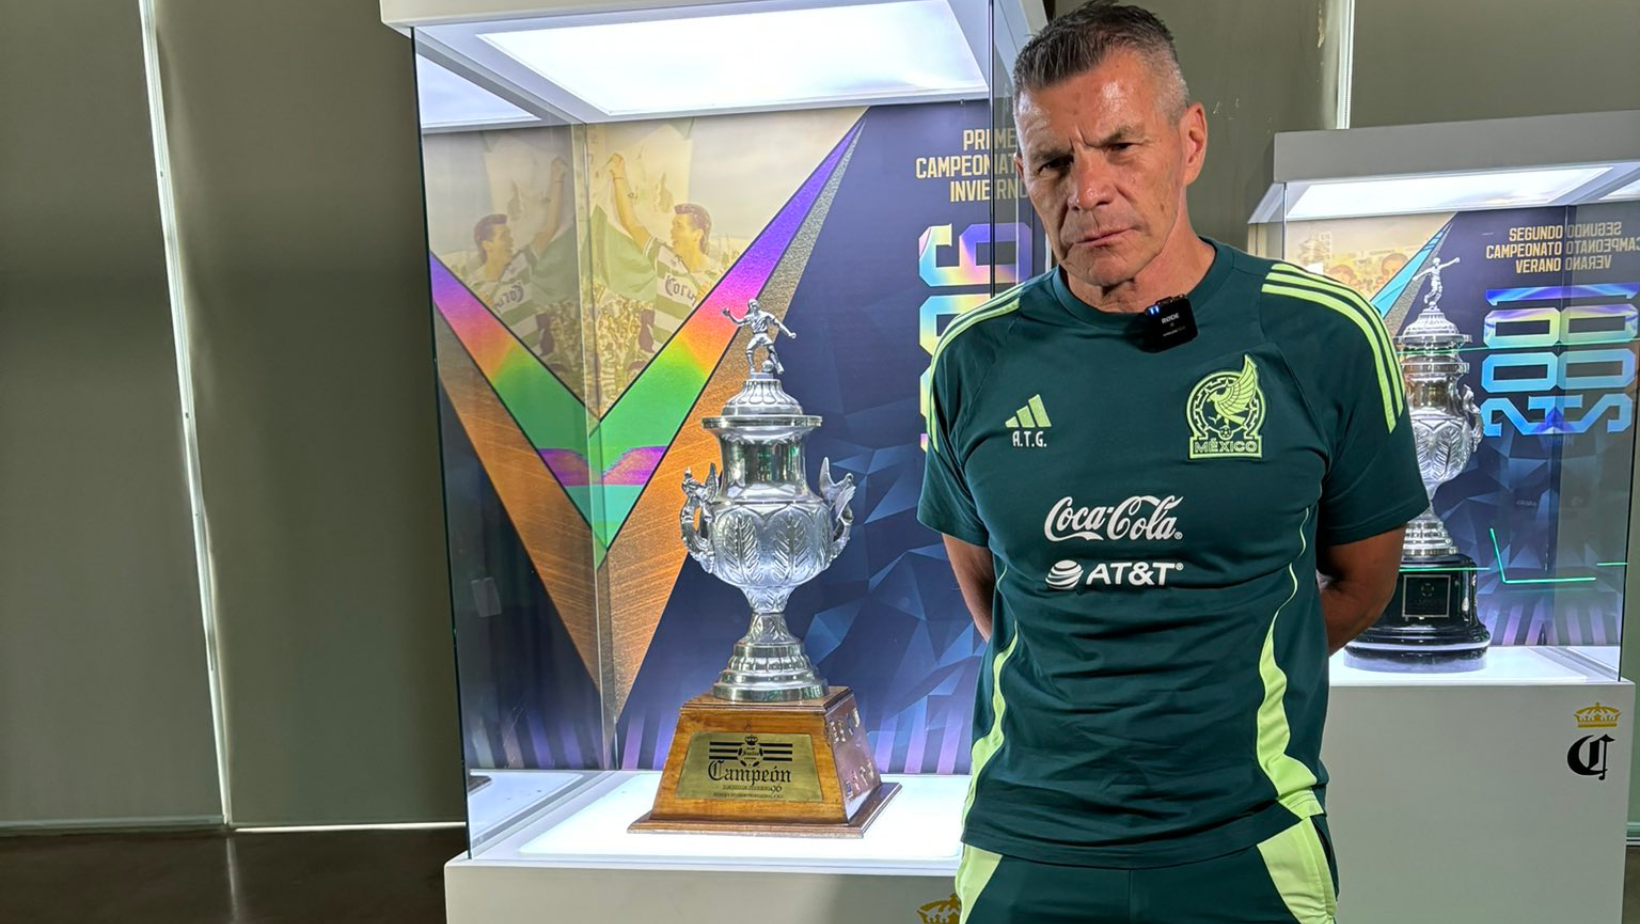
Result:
[321,878]
[342,878]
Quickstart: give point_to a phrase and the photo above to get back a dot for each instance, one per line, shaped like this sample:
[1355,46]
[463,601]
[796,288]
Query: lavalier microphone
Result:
[1166,324]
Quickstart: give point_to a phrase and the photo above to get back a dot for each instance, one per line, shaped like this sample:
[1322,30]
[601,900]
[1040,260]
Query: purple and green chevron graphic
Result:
[618,454]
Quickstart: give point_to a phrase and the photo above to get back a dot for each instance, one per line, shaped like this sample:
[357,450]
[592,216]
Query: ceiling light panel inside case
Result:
[750,60]
[1443,193]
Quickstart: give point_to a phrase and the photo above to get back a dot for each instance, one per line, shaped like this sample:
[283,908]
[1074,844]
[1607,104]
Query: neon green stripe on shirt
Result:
[1290,777]
[1382,365]
[1292,275]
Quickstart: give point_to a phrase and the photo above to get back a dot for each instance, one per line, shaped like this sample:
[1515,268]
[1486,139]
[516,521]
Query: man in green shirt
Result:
[684,270]
[1140,532]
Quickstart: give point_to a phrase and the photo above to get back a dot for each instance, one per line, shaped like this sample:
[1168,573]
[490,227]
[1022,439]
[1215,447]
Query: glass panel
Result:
[1598,311]
[1021,251]
[505,227]
[589,274]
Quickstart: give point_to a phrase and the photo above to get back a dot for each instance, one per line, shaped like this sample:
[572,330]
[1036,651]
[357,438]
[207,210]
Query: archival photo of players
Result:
[593,245]
[501,217]
[1363,253]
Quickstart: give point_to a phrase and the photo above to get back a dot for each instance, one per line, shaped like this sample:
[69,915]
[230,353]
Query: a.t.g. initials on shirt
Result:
[1030,425]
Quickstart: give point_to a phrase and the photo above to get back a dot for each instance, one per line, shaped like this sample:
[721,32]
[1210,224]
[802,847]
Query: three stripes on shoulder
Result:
[1286,279]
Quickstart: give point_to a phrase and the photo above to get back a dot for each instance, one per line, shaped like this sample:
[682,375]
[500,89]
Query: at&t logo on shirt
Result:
[1068,575]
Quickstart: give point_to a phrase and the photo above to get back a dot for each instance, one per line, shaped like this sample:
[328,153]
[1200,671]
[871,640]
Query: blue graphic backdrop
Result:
[1543,506]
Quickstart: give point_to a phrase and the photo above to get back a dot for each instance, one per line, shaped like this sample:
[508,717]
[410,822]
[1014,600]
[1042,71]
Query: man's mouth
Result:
[1100,238]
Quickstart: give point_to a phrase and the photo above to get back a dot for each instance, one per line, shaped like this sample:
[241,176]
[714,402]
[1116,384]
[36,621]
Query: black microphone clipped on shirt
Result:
[1166,324]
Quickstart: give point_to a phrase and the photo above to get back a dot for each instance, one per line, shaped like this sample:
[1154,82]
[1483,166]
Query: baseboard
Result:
[347,828]
[167,823]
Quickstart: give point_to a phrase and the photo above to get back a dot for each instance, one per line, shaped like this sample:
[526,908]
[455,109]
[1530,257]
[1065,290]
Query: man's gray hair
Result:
[1078,42]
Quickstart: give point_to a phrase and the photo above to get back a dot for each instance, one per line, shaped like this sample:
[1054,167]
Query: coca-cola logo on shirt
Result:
[1143,517]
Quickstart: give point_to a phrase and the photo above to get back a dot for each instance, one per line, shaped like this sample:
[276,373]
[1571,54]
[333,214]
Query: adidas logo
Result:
[1028,424]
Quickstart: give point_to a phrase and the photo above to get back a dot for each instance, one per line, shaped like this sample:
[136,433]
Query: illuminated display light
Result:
[1442,193]
[829,55]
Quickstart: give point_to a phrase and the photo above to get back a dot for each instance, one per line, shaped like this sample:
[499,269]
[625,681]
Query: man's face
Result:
[1105,165]
[500,243]
[684,233]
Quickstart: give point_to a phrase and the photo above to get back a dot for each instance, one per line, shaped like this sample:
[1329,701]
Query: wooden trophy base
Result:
[801,768]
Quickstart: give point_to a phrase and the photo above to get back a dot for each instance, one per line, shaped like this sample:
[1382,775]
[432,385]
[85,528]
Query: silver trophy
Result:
[1445,423]
[759,527]
[1432,622]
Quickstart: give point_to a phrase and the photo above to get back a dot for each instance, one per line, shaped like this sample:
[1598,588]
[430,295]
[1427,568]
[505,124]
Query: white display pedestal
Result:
[1452,800]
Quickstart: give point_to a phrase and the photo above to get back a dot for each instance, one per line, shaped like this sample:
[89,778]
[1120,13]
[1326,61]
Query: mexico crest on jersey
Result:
[1226,412]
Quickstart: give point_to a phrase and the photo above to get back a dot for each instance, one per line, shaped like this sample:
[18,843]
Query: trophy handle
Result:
[695,519]
[837,495]
[1472,418]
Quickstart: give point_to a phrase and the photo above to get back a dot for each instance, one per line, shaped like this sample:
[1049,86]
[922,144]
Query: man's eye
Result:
[1123,146]
[1057,165]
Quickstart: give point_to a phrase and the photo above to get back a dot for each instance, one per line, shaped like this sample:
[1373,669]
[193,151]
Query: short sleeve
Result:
[1372,483]
[946,504]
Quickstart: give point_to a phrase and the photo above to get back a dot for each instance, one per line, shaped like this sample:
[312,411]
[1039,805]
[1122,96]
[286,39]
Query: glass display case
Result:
[1503,258]
[1500,262]
[607,187]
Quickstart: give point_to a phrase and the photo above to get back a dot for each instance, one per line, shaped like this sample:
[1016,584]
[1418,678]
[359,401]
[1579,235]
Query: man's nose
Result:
[1091,182]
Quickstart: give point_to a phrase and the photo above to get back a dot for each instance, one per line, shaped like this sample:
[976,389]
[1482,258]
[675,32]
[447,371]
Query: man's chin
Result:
[1103,272]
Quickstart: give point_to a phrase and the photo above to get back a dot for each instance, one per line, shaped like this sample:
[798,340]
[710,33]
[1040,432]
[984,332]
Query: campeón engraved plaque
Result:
[768,768]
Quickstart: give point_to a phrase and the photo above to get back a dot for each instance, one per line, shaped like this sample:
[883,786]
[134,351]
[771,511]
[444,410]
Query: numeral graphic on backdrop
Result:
[969,272]
[1566,342]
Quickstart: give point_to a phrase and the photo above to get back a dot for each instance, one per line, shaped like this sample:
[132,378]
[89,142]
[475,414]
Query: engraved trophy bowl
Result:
[758,526]
[1432,622]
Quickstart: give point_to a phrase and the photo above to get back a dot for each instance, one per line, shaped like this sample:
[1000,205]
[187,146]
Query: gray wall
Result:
[295,147]
[1418,61]
[104,706]
[1259,67]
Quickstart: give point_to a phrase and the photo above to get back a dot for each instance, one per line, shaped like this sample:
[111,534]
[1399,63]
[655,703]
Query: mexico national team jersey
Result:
[1156,680]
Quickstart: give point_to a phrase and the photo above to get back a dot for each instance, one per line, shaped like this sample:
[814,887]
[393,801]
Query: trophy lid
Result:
[762,396]
[1431,330]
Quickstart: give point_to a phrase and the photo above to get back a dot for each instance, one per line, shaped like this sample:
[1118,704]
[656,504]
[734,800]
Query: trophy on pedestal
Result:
[771,749]
[1432,623]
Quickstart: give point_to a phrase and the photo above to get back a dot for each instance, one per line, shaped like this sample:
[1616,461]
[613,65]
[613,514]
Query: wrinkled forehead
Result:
[1125,91]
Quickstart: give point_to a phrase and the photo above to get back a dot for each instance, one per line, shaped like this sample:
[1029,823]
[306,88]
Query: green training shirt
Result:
[1156,680]
[678,289]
